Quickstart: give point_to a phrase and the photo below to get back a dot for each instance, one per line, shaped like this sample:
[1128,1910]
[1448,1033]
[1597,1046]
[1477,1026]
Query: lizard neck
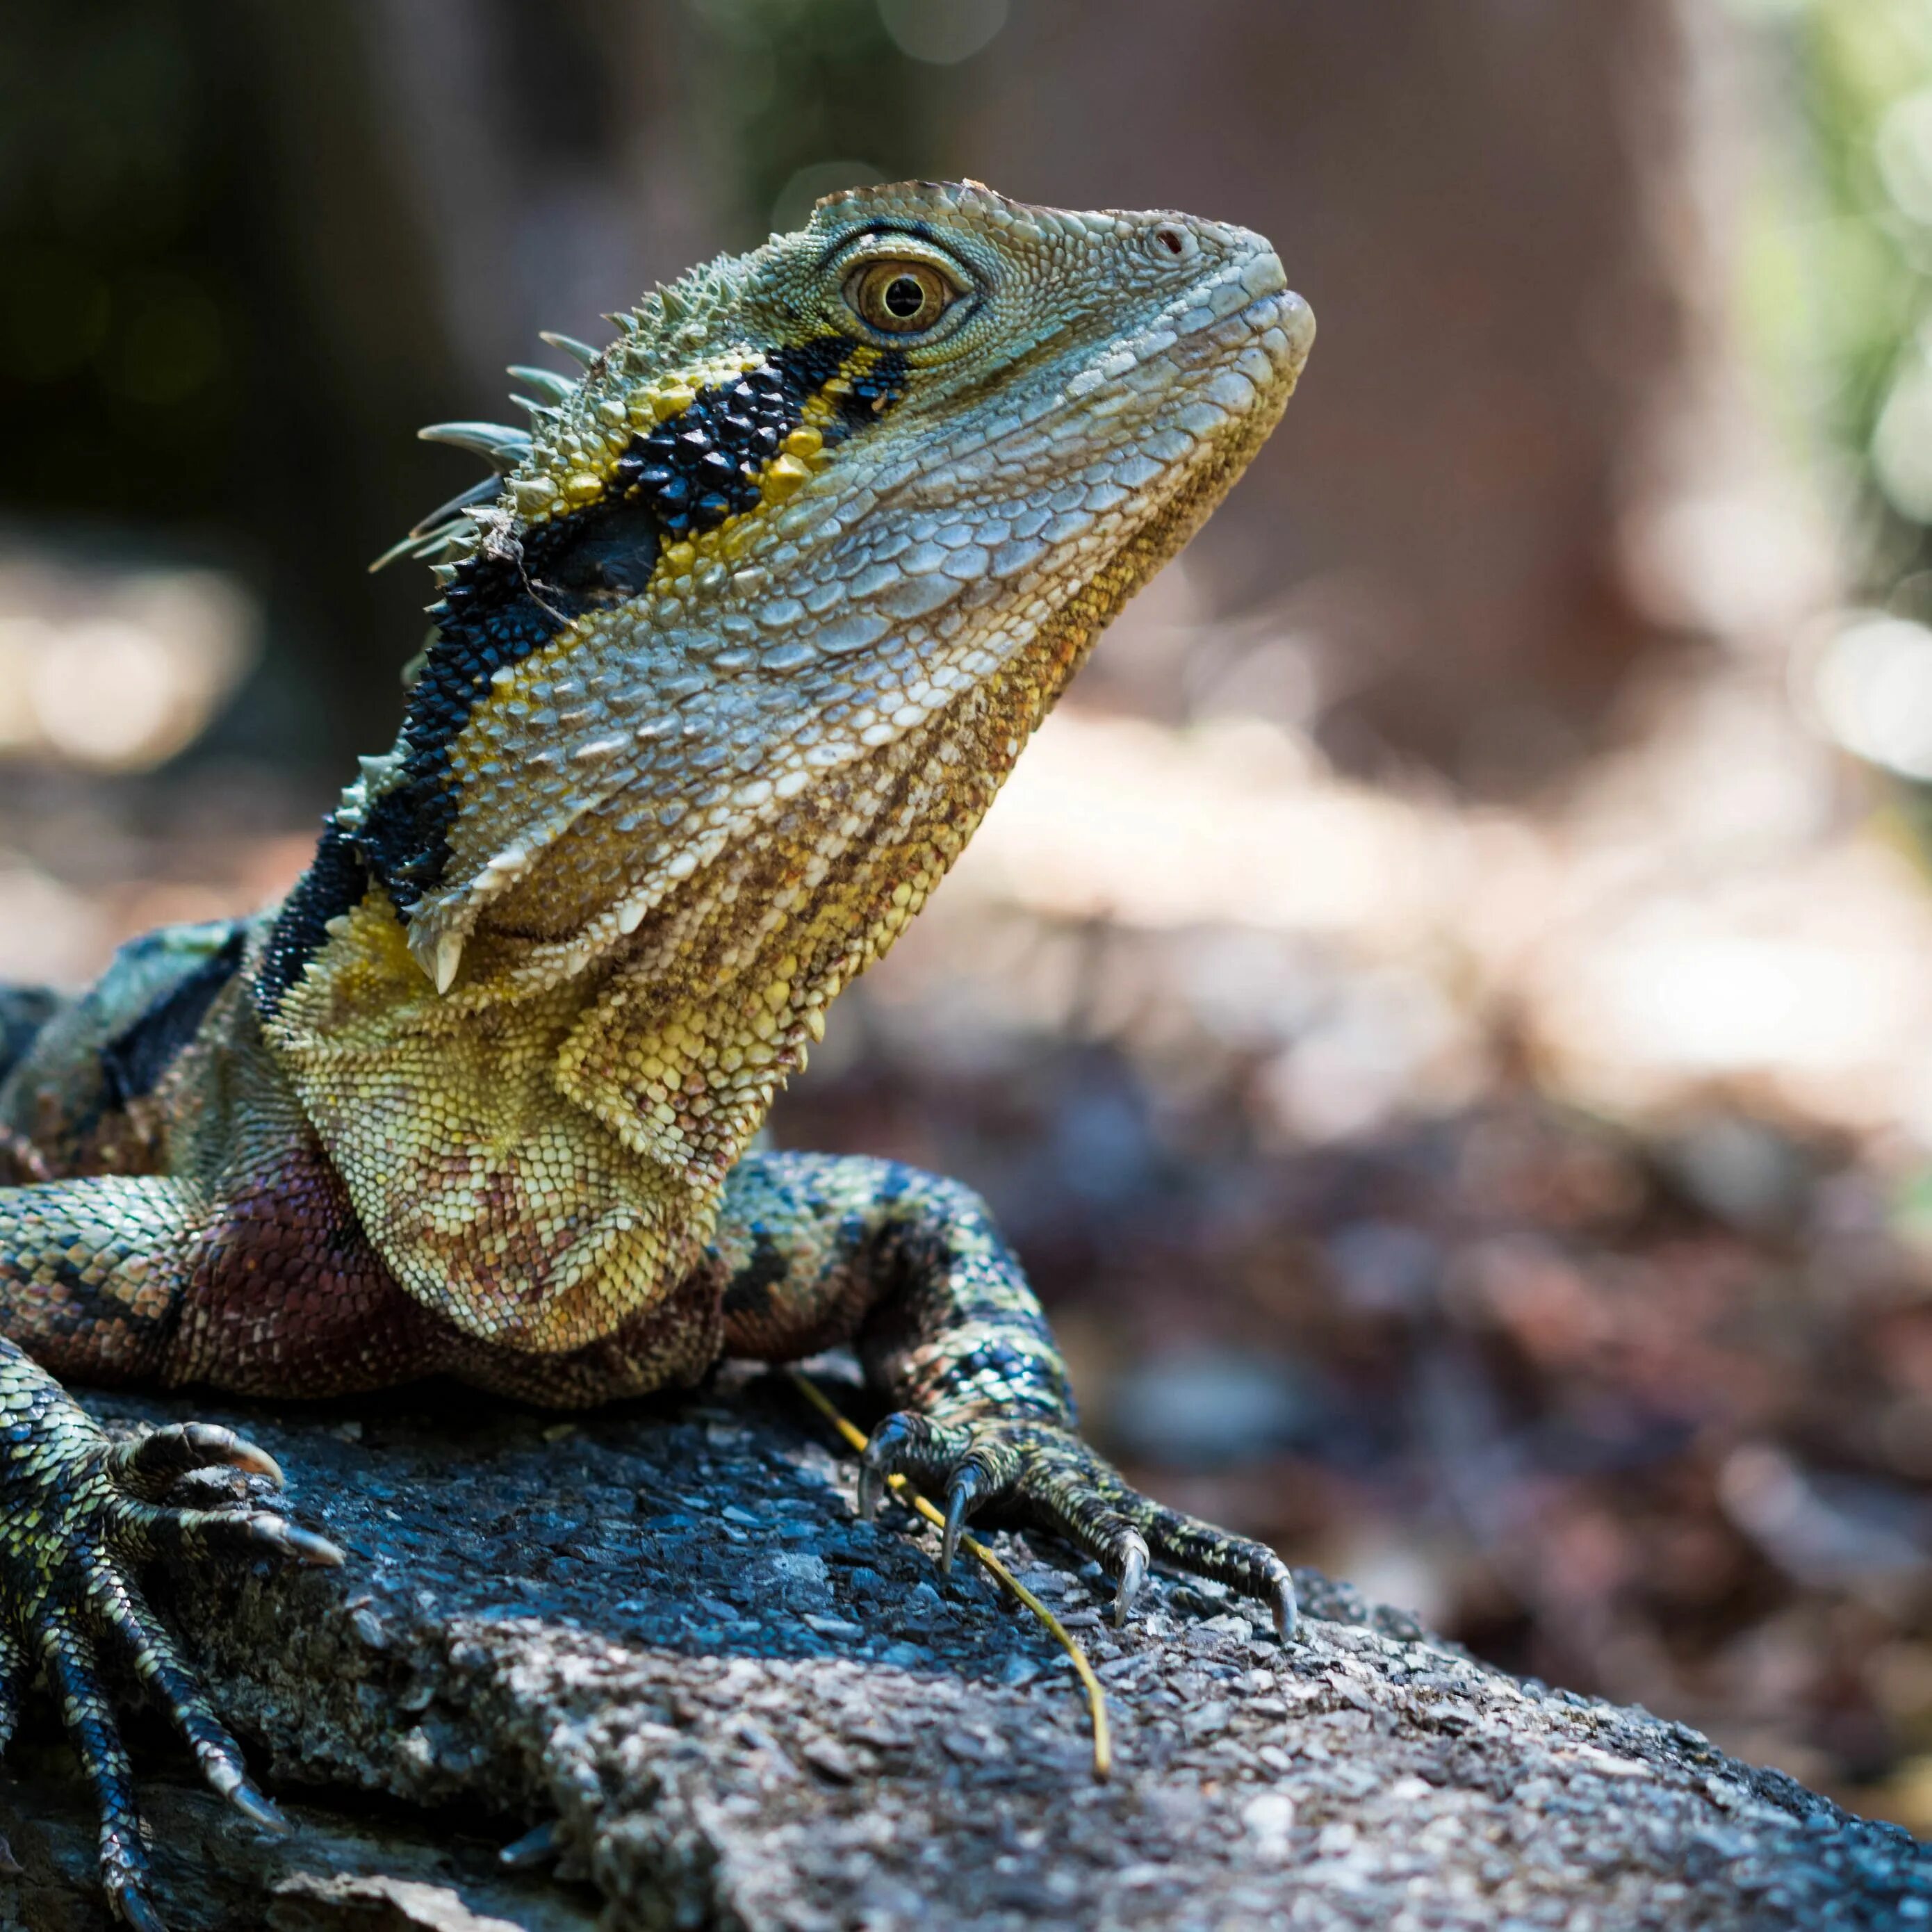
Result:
[586,1068]
[616,1097]
[674,1028]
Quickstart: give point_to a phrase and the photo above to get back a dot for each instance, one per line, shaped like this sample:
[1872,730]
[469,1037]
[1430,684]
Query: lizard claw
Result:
[539,1846]
[1133,1574]
[897,1440]
[1046,1471]
[148,1465]
[249,1802]
[961,1493]
[316,1552]
[79,1514]
[132,1908]
[1287,1612]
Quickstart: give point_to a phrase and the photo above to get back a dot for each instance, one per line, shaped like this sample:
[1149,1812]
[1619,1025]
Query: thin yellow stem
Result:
[1097,1698]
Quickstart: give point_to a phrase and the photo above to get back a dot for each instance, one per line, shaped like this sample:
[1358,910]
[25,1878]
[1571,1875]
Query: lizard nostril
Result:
[1172,242]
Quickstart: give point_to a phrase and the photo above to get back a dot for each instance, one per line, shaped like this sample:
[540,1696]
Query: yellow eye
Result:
[901,298]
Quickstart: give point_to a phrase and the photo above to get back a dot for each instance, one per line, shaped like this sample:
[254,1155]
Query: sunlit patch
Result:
[1873,689]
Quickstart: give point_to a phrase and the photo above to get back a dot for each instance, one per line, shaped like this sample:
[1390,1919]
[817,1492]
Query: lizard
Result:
[733,647]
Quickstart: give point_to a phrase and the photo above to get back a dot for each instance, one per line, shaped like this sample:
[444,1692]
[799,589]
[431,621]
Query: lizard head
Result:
[809,498]
[733,653]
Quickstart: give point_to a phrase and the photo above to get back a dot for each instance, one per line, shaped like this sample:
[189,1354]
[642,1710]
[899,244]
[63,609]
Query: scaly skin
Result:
[728,664]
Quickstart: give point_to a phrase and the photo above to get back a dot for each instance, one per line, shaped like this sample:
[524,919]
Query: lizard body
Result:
[728,662]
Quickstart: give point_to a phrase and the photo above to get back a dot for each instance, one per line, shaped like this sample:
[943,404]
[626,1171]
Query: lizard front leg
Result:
[823,1249]
[93,1273]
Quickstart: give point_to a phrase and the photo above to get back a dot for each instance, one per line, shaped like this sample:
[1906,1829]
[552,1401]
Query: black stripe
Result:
[498,611]
[701,467]
[687,476]
[334,884]
[872,393]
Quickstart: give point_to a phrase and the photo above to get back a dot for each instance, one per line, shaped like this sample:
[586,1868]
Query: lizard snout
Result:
[1295,321]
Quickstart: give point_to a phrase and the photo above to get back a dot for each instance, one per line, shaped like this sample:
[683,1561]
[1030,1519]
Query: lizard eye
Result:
[900,298]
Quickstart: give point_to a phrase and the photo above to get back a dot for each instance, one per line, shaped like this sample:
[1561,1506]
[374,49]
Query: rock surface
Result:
[657,1645]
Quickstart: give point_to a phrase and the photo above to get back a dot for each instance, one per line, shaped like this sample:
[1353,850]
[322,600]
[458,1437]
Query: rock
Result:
[665,1633]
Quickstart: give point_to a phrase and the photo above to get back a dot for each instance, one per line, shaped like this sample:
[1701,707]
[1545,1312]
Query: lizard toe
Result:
[73,1673]
[237,1534]
[148,1465]
[1133,1575]
[1046,1472]
[121,1612]
[967,1486]
[910,1445]
[79,1514]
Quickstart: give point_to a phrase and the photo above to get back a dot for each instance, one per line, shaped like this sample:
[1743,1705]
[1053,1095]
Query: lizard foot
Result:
[1048,1472]
[79,1512]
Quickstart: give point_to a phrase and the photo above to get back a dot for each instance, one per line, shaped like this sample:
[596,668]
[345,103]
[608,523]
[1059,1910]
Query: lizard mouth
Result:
[1289,313]
[1247,319]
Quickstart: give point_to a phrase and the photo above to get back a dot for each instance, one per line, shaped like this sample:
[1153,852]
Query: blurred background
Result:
[1445,1006]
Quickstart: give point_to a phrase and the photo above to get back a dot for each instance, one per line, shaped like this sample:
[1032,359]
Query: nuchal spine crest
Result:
[716,442]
